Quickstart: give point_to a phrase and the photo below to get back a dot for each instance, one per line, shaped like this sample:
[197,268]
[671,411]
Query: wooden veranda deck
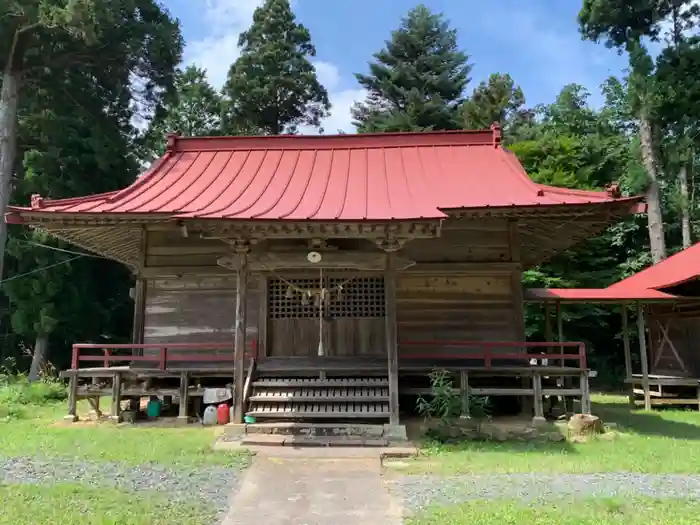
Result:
[528,370]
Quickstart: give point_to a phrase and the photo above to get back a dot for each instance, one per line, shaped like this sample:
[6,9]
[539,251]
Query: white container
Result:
[209,417]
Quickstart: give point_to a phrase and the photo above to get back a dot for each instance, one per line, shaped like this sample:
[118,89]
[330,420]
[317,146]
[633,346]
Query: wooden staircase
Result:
[318,400]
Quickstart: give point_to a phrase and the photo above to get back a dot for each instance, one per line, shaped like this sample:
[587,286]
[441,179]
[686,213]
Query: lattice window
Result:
[348,298]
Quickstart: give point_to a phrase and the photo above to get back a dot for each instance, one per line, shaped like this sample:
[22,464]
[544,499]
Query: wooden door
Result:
[351,318]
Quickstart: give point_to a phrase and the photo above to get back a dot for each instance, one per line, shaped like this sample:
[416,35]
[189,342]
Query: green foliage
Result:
[445,405]
[497,100]
[272,88]
[18,397]
[193,110]
[417,81]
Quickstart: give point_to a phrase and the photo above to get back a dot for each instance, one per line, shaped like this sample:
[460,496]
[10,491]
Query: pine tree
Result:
[497,100]
[194,110]
[417,81]
[272,88]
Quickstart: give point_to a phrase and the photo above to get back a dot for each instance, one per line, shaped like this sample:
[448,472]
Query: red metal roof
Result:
[341,177]
[645,285]
[594,295]
[682,267]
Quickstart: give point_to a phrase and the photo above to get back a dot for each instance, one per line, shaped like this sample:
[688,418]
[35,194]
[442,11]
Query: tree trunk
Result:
[685,206]
[39,357]
[9,103]
[655,223]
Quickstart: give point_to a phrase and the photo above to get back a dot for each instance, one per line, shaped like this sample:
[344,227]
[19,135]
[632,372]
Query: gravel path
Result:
[211,485]
[420,491]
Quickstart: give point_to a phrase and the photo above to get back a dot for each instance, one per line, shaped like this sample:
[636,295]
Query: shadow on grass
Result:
[661,423]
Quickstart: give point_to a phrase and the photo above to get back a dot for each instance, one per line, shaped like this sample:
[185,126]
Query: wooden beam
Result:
[390,332]
[239,340]
[643,356]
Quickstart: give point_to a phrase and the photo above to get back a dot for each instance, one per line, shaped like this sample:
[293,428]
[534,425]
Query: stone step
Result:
[300,413]
[315,441]
[316,429]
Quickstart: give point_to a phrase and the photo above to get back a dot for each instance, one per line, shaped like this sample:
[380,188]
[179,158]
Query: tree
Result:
[497,100]
[417,81]
[623,25]
[193,110]
[272,88]
[114,41]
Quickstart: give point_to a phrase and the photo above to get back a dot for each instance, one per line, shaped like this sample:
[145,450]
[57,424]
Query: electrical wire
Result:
[37,270]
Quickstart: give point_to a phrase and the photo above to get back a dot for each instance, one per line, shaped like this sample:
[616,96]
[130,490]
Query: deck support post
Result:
[240,332]
[72,398]
[464,393]
[585,394]
[643,355]
[390,332]
[538,401]
[182,415]
[116,397]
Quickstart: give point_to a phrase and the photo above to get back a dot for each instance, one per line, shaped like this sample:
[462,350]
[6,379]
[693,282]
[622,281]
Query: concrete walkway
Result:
[310,489]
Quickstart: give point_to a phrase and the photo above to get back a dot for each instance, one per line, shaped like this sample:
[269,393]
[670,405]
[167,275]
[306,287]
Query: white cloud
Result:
[341,100]
[227,19]
[216,52]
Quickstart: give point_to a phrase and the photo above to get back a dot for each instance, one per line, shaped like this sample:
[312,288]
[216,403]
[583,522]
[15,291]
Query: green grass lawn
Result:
[665,441]
[42,433]
[640,511]
[69,504]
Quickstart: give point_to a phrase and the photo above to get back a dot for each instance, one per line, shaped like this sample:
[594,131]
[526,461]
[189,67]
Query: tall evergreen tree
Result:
[417,81]
[114,42]
[500,100]
[272,88]
[193,110]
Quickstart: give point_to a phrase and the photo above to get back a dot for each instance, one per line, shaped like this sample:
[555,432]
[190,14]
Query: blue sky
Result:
[536,41]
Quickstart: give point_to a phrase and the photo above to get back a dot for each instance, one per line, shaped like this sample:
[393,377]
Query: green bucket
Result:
[249,420]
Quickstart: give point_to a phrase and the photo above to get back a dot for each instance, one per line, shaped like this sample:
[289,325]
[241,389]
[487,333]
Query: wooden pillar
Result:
[585,394]
[464,393]
[390,332]
[73,398]
[643,355]
[239,341]
[184,397]
[537,394]
[116,396]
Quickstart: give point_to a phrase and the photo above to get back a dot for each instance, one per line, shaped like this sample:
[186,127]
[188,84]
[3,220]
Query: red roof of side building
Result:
[647,284]
[340,177]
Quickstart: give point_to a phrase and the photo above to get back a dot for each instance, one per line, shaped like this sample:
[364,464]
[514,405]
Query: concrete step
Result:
[317,429]
[306,441]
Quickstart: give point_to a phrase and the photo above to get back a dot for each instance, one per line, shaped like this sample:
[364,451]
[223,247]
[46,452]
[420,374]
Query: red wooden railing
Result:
[163,357]
[484,351]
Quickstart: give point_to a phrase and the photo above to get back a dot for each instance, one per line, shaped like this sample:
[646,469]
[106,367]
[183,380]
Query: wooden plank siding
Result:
[673,335]
[197,310]
[463,286]
[455,307]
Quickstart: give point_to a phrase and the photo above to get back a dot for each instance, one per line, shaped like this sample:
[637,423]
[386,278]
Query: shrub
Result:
[18,395]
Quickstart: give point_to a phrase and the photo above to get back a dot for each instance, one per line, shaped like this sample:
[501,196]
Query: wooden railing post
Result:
[487,355]
[163,358]
[75,358]
[108,354]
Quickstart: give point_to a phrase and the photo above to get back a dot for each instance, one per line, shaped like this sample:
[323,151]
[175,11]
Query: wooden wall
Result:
[456,307]
[196,310]
[454,302]
[671,330]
